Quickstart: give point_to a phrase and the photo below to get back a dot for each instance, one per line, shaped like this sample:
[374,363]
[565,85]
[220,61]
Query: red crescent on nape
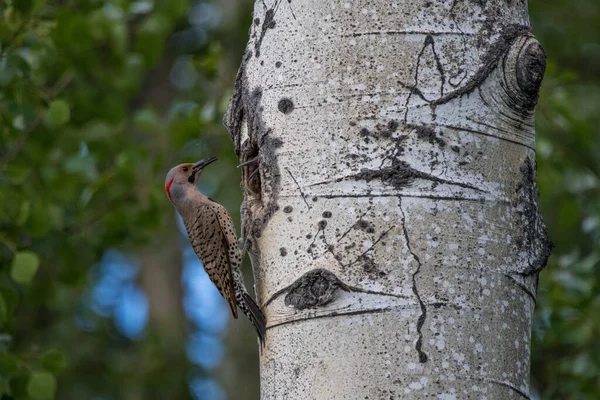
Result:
[168,188]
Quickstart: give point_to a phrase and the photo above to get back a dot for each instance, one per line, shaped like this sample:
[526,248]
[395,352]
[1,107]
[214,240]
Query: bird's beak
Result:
[200,165]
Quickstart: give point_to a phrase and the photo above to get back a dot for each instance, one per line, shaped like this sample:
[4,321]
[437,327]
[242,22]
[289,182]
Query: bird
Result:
[213,237]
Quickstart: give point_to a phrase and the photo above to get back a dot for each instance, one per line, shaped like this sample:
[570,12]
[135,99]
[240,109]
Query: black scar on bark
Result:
[534,240]
[381,131]
[269,23]
[401,174]
[315,288]
[318,287]
[423,316]
[426,132]
[489,61]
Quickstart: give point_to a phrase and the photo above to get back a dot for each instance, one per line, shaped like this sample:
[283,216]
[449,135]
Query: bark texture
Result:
[393,225]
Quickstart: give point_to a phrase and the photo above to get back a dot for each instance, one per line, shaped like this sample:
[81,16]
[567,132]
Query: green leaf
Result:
[23,212]
[58,113]
[57,216]
[24,266]
[41,386]
[54,361]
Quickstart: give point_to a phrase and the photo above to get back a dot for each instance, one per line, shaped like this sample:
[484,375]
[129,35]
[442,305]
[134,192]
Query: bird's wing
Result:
[209,240]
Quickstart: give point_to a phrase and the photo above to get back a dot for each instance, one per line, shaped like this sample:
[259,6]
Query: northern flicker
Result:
[213,238]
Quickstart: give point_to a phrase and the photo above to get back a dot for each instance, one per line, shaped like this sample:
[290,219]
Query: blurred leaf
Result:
[24,266]
[23,212]
[41,386]
[58,113]
[56,214]
[54,361]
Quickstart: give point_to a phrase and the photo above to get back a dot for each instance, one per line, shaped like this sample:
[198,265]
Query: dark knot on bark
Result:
[531,65]
[523,69]
[315,288]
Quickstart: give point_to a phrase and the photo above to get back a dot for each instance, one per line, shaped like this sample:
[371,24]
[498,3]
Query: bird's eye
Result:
[185,169]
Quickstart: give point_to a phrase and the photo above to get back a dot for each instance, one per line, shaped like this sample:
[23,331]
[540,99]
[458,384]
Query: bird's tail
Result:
[255,315]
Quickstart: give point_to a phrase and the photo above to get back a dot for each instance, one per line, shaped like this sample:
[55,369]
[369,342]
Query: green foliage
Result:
[565,353]
[54,361]
[58,113]
[24,266]
[89,124]
[41,385]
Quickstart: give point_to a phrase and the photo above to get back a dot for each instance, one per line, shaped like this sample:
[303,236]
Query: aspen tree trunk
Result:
[393,225]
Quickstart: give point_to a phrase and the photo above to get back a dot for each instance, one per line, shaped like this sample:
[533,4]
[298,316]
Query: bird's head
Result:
[184,177]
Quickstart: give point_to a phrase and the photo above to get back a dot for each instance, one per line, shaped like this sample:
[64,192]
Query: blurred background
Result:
[101,296]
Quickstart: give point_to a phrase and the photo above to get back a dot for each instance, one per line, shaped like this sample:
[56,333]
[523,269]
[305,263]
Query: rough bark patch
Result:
[489,61]
[261,194]
[427,133]
[315,288]
[531,65]
[534,240]
[401,174]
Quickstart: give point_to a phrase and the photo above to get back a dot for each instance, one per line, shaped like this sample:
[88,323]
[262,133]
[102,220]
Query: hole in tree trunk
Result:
[251,174]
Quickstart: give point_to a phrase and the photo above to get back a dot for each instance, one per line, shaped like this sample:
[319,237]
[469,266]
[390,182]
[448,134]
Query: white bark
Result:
[393,227]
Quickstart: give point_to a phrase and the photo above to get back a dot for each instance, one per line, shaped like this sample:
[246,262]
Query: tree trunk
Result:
[393,225]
